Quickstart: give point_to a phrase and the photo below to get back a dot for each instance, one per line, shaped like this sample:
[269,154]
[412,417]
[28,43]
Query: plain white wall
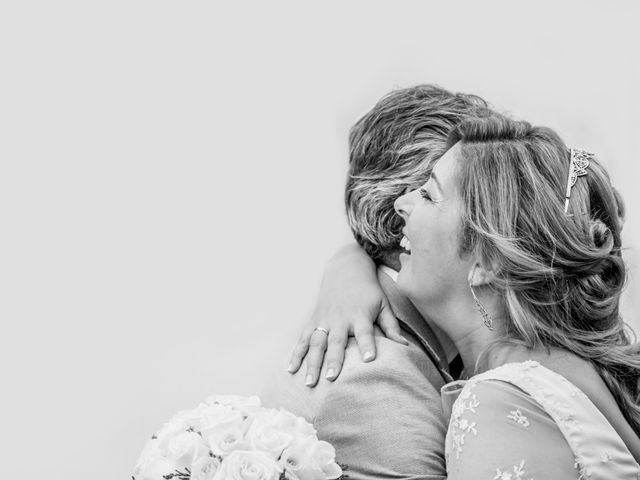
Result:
[171,184]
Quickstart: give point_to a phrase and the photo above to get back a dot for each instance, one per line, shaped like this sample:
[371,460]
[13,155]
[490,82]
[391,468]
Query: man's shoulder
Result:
[400,371]
[392,356]
[384,417]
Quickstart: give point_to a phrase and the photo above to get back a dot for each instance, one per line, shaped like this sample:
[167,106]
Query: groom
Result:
[385,418]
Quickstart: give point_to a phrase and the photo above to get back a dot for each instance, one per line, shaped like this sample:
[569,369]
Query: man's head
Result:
[392,149]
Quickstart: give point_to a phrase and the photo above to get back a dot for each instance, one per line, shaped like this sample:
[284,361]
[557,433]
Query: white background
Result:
[171,184]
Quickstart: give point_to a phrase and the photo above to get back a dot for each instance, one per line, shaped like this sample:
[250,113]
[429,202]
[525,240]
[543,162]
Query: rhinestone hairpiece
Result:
[577,168]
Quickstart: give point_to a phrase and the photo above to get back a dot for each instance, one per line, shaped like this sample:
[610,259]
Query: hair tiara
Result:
[577,168]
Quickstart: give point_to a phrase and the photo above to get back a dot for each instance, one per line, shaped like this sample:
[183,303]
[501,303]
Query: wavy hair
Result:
[560,274]
[392,148]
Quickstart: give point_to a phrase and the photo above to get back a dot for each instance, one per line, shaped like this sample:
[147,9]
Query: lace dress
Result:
[522,421]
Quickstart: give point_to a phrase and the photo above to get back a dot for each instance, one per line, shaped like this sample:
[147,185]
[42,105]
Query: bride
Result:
[513,249]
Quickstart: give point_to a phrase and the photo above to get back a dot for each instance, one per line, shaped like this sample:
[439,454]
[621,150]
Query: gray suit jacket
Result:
[385,418]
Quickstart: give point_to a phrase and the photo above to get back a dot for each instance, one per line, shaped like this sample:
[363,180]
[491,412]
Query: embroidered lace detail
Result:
[582,470]
[467,401]
[565,403]
[514,474]
[518,417]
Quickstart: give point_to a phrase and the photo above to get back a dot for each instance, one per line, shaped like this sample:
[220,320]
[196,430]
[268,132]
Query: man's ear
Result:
[480,276]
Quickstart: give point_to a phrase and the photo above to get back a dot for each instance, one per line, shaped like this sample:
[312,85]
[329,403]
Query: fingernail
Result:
[290,368]
[367,356]
[406,342]
[309,380]
[331,374]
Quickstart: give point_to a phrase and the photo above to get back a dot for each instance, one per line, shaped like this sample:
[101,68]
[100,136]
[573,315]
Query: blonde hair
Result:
[560,275]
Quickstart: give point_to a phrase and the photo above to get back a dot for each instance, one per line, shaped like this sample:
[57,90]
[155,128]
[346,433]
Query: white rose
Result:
[149,454]
[205,468]
[313,460]
[246,465]
[224,438]
[268,435]
[184,448]
[297,426]
[298,465]
[156,447]
[172,428]
[323,456]
[155,469]
[210,416]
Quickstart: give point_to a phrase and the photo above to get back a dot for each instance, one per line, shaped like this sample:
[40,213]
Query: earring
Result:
[486,318]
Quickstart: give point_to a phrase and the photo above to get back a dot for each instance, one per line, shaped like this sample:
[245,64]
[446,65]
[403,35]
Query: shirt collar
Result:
[390,272]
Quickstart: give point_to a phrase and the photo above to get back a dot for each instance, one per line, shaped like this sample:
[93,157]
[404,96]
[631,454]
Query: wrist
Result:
[350,258]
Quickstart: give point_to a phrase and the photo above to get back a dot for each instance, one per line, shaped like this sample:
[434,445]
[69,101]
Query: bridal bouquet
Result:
[234,438]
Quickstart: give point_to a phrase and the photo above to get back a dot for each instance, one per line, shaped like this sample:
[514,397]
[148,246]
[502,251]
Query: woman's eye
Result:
[424,194]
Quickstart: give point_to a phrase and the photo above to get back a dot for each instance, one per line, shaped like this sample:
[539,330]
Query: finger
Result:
[363,331]
[315,356]
[335,353]
[300,350]
[390,326]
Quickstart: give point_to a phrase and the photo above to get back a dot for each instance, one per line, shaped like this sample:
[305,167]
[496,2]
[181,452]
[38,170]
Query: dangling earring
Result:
[486,317]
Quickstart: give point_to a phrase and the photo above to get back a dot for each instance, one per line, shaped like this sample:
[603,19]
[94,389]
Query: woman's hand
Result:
[349,303]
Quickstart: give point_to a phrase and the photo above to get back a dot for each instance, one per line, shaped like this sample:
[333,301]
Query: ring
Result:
[323,330]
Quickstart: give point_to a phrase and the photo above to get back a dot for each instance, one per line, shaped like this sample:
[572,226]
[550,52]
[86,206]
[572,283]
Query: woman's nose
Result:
[403,205]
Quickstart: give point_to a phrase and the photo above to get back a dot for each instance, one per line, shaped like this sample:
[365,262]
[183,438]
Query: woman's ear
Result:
[480,276]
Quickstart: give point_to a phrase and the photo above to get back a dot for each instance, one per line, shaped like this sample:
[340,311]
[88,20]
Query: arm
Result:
[497,430]
[349,303]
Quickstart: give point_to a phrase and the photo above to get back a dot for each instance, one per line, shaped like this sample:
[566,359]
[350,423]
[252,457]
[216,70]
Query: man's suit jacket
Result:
[384,418]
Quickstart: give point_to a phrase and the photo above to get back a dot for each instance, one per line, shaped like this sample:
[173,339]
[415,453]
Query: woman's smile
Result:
[405,244]
[432,269]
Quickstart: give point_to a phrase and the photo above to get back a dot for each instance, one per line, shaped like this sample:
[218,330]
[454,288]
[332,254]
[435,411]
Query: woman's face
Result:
[433,274]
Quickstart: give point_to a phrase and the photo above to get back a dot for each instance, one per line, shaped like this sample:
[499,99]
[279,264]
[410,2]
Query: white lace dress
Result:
[522,421]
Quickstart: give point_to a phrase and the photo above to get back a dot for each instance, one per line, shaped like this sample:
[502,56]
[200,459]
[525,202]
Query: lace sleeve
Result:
[499,432]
